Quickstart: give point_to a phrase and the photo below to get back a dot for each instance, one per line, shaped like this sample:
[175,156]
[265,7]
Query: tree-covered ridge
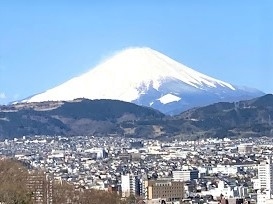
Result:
[111,117]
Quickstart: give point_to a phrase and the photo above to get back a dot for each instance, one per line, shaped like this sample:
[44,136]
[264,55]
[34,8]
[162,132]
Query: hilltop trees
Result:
[13,183]
[19,185]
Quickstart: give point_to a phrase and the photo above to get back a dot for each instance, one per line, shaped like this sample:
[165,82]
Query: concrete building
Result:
[167,190]
[100,152]
[265,175]
[245,148]
[263,197]
[130,185]
[186,175]
[225,169]
[256,183]
[222,189]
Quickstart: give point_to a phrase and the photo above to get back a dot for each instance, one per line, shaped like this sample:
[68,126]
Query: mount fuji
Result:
[147,77]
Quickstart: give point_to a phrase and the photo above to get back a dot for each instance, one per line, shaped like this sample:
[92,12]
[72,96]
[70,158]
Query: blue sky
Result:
[44,43]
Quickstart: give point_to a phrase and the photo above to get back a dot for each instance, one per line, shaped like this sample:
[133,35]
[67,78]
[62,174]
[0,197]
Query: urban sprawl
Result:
[203,171]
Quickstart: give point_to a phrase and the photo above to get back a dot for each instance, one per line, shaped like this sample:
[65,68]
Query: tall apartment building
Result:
[265,175]
[130,185]
[167,190]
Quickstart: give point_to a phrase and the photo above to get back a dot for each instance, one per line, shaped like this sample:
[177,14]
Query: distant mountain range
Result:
[112,117]
[148,78]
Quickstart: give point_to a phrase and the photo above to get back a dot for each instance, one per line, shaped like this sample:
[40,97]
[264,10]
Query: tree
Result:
[13,182]
[63,193]
[91,196]
[20,185]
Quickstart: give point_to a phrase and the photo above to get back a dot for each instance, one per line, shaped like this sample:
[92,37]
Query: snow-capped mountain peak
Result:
[140,75]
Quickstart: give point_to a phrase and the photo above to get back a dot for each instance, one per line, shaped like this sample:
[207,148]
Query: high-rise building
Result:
[130,185]
[265,175]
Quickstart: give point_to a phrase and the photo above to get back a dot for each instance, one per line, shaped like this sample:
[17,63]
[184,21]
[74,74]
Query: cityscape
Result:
[136,102]
[203,171]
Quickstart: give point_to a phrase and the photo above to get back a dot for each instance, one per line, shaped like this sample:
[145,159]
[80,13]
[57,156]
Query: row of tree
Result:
[20,185]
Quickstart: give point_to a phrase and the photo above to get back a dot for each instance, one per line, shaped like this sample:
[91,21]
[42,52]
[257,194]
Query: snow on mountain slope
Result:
[139,75]
[127,75]
[168,98]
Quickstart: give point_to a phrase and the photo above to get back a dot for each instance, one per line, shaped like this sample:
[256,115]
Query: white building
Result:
[265,175]
[263,197]
[256,183]
[225,169]
[245,148]
[129,185]
[57,154]
[100,152]
[222,188]
[185,175]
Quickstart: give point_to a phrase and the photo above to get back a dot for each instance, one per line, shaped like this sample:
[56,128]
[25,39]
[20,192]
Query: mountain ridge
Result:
[110,117]
[81,116]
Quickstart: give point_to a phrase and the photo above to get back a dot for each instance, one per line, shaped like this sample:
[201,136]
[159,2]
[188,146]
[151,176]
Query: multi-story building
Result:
[185,175]
[245,148]
[130,185]
[265,175]
[100,152]
[226,169]
[167,190]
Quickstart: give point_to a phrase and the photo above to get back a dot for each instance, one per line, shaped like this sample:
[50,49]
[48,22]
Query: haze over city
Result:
[43,44]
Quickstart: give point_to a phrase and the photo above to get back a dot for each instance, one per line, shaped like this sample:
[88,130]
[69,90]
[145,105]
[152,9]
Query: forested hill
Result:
[111,117]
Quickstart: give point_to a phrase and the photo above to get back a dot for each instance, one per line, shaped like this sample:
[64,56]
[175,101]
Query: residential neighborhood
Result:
[203,171]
